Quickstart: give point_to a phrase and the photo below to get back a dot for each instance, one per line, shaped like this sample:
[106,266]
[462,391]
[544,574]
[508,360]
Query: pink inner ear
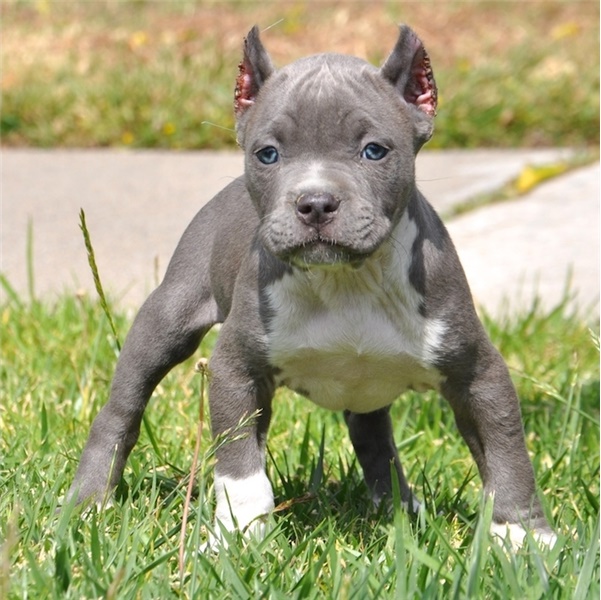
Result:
[421,89]
[243,96]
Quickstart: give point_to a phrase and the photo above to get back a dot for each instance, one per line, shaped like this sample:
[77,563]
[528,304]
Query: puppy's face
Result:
[330,144]
[330,150]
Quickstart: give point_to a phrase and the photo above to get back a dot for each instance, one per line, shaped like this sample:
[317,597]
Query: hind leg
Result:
[166,331]
[487,413]
[372,439]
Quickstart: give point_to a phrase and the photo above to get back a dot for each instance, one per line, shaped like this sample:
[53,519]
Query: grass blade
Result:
[44,427]
[588,567]
[62,567]
[479,550]
[10,291]
[399,537]
[97,283]
[317,474]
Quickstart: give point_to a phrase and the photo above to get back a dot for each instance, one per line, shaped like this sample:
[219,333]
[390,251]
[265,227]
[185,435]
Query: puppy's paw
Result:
[242,505]
[221,535]
[516,534]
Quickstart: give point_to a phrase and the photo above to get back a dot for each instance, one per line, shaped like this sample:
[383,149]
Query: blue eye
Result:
[374,152]
[268,155]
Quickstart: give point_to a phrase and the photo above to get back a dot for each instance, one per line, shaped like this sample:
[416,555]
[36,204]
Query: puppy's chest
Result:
[351,340]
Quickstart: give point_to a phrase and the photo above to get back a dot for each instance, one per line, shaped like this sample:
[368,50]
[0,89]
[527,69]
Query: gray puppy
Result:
[333,276]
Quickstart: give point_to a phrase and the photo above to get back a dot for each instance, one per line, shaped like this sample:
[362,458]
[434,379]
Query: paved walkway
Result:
[138,203]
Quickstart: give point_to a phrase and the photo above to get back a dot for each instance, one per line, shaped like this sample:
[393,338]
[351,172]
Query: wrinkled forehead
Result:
[323,74]
[329,93]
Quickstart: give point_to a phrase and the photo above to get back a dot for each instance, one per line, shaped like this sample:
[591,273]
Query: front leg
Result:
[488,416]
[240,402]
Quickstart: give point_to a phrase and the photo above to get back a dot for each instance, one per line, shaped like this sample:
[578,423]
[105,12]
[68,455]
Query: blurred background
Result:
[160,74]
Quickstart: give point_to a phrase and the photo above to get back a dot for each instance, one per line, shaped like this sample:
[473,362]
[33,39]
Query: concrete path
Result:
[138,203]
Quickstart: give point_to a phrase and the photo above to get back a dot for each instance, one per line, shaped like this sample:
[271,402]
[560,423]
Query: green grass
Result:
[326,541]
[153,74]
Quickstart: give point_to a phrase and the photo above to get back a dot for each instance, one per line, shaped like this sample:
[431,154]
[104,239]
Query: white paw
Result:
[516,534]
[242,504]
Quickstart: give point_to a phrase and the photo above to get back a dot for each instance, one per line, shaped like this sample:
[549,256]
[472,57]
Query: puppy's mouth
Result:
[334,243]
[323,252]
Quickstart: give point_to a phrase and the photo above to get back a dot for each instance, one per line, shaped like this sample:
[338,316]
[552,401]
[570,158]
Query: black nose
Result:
[316,209]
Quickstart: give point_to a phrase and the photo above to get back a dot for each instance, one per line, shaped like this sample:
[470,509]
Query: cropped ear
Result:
[408,69]
[253,71]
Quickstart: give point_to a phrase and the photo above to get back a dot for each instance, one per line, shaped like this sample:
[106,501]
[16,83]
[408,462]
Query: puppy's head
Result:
[330,144]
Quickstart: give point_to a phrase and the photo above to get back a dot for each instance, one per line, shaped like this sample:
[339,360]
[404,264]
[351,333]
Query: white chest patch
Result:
[352,338]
